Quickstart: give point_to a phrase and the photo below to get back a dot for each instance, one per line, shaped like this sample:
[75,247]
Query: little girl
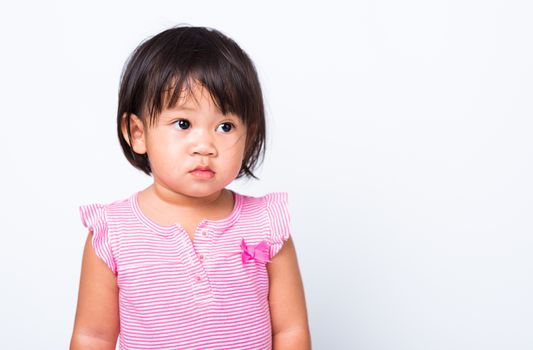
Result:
[187,263]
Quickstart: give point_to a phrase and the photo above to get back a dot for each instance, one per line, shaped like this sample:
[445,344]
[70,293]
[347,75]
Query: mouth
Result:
[202,172]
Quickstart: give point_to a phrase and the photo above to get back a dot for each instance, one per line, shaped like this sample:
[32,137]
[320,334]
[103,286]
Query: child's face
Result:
[192,134]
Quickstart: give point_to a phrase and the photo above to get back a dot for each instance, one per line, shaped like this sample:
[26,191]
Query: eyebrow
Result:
[181,108]
[186,108]
[192,109]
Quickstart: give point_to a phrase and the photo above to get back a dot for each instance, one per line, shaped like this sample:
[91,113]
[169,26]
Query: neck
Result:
[167,197]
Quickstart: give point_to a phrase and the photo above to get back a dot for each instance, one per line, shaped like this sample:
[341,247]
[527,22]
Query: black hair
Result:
[164,66]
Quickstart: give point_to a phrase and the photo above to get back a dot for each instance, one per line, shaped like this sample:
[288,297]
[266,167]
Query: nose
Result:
[202,144]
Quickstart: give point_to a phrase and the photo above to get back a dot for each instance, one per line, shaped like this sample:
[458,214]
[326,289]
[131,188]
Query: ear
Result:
[137,131]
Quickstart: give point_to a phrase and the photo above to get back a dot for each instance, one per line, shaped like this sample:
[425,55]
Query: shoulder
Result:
[116,204]
[266,201]
[275,204]
[100,211]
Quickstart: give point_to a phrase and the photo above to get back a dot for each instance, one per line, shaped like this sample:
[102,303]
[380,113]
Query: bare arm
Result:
[290,327]
[97,322]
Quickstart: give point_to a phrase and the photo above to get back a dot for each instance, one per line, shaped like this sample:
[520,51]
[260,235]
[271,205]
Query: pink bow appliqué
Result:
[259,252]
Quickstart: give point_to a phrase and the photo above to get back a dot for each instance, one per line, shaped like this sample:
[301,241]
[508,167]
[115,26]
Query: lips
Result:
[202,172]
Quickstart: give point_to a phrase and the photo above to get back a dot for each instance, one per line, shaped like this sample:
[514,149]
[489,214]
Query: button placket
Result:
[203,233]
[200,282]
[201,285]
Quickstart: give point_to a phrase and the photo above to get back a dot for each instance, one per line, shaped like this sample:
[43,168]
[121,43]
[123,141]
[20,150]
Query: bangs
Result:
[178,68]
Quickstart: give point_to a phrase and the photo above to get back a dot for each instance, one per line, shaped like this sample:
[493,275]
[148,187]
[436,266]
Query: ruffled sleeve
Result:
[278,213]
[94,218]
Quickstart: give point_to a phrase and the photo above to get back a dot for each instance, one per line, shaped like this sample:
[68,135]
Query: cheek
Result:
[234,146]
[234,155]
[239,149]
[166,153]
[240,143]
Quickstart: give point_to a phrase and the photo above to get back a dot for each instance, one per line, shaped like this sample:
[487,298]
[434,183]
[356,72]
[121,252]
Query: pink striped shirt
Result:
[175,293]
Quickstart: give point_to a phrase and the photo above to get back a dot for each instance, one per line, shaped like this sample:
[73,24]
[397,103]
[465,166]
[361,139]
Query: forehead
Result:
[191,92]
[189,98]
[189,95]
[192,98]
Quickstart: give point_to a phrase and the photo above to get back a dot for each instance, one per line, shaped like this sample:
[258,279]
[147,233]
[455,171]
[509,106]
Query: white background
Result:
[401,130]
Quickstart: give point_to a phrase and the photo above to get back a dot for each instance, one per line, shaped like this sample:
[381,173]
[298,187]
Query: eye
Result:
[182,124]
[226,127]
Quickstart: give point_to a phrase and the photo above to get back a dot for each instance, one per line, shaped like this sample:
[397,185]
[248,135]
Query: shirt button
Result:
[201,257]
[204,233]
[198,278]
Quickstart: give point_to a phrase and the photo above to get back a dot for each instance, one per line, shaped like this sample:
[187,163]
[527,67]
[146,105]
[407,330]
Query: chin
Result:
[201,192]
